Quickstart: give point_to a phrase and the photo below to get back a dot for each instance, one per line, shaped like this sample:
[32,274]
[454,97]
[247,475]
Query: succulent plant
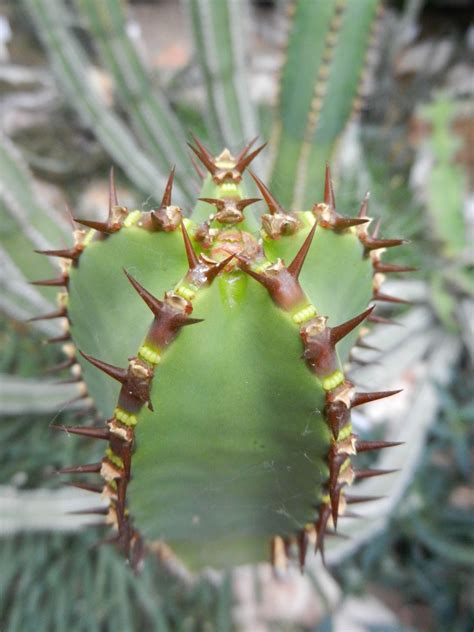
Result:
[232,437]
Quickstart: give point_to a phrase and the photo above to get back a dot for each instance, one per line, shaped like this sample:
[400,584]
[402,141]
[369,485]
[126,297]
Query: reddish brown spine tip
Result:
[62,338]
[113,371]
[273,205]
[113,201]
[367,446]
[192,257]
[244,162]
[375,244]
[60,282]
[95,511]
[203,154]
[101,227]
[91,468]
[61,366]
[60,313]
[339,332]
[329,198]
[246,149]
[391,267]
[153,303]
[364,398]
[95,489]
[361,474]
[341,223]
[197,169]
[241,204]
[215,270]
[334,496]
[302,540]
[352,500]
[166,200]
[92,433]
[296,265]
[70,253]
[379,296]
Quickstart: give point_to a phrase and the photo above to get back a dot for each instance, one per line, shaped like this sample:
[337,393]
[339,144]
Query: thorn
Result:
[96,489]
[334,496]
[60,313]
[391,267]
[67,364]
[102,227]
[273,205]
[166,200]
[350,514]
[61,338]
[241,204]
[341,223]
[366,446]
[91,468]
[364,207]
[215,270]
[203,154]
[302,548]
[352,500]
[114,372]
[93,433]
[97,511]
[217,202]
[153,303]
[70,253]
[364,398]
[375,244]
[60,282]
[328,188]
[379,296]
[376,230]
[197,169]
[193,260]
[246,160]
[339,332]
[361,474]
[295,266]
[191,321]
[247,147]
[382,321]
[113,201]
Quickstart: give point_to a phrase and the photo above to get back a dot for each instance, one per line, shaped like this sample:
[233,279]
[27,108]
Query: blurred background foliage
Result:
[84,84]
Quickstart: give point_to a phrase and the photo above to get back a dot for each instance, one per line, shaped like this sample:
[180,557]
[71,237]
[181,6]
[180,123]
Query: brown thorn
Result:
[215,270]
[70,253]
[376,230]
[295,266]
[91,468]
[153,303]
[352,500]
[364,207]
[273,205]
[203,154]
[339,332]
[193,260]
[60,313]
[101,227]
[62,338]
[197,169]
[61,366]
[191,321]
[96,511]
[92,433]
[241,204]
[328,188]
[302,547]
[375,244]
[113,201]
[341,223]
[61,281]
[366,446]
[242,153]
[246,160]
[95,489]
[334,496]
[217,202]
[391,267]
[386,298]
[361,474]
[114,372]
[364,398]
[166,200]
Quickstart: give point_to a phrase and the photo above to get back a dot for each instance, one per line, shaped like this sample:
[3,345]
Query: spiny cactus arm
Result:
[218,28]
[53,22]
[312,113]
[155,124]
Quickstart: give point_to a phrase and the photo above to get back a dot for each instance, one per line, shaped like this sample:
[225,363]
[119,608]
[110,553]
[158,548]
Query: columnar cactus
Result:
[232,437]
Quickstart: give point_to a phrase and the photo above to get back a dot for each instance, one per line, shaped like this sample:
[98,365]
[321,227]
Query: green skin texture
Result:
[235,450]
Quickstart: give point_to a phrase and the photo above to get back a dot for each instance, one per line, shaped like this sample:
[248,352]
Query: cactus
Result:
[228,427]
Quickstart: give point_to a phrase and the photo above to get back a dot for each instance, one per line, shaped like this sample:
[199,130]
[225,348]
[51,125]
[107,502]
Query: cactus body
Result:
[234,433]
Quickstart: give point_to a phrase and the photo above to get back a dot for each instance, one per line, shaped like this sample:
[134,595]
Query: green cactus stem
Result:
[217,352]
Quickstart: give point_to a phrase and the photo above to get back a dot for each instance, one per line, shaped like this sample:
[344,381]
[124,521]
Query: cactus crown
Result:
[233,434]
